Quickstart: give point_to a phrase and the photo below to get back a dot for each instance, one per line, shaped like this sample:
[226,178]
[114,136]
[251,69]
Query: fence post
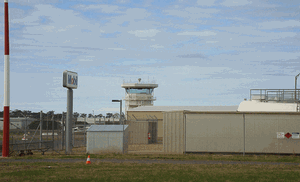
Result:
[47,127]
[62,132]
[244,124]
[84,131]
[41,129]
[73,132]
[52,130]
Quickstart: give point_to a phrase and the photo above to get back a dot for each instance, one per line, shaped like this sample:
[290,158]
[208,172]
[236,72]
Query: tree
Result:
[99,116]
[90,116]
[82,115]
[109,115]
[50,113]
[116,115]
[16,113]
[75,114]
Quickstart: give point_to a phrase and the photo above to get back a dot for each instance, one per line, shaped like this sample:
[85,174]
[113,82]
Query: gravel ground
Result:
[143,161]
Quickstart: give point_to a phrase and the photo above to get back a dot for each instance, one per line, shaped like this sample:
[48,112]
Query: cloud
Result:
[103,8]
[236,2]
[144,33]
[117,49]
[194,14]
[192,56]
[279,24]
[156,46]
[203,33]
[212,42]
[206,3]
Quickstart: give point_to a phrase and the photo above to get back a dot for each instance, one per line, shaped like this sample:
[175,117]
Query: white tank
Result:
[257,106]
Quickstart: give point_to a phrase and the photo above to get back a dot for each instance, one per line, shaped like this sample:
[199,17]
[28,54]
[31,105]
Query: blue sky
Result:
[200,53]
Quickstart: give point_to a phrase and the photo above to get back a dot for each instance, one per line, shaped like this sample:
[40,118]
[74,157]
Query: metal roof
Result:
[139,85]
[107,128]
[187,108]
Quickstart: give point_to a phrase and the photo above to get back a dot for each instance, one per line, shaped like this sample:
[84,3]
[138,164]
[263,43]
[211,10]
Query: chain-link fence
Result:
[42,133]
[46,132]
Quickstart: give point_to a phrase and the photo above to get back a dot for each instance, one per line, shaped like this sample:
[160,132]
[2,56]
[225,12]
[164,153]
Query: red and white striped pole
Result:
[5,143]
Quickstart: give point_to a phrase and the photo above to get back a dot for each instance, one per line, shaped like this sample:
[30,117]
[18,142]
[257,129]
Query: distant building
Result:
[91,121]
[17,123]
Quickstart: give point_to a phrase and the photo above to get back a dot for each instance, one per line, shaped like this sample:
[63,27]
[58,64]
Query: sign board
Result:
[295,135]
[288,135]
[70,79]
[280,134]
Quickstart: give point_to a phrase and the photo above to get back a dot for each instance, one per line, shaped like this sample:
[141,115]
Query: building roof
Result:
[139,85]
[188,108]
[19,119]
[107,128]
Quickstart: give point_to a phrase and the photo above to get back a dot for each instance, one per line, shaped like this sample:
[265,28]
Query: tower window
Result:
[139,90]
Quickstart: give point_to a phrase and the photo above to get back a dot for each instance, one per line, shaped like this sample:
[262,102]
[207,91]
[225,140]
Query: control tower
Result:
[138,94]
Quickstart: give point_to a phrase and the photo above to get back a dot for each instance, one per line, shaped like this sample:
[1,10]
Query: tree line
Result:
[36,115]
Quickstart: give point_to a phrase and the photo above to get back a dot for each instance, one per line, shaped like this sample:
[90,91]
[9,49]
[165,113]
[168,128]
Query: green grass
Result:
[105,171]
[209,157]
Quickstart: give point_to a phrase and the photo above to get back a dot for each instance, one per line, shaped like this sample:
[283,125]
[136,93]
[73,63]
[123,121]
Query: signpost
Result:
[70,81]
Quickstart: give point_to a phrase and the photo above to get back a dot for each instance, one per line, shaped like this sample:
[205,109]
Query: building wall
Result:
[173,129]
[214,132]
[17,123]
[261,133]
[224,132]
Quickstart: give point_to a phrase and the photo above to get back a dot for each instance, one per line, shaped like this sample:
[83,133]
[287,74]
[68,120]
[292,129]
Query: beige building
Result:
[232,132]
[267,123]
[155,113]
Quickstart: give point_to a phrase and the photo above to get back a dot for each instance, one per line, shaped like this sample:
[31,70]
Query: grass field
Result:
[80,153]
[106,171]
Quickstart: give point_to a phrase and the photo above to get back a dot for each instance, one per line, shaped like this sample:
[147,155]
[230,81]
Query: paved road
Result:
[144,161]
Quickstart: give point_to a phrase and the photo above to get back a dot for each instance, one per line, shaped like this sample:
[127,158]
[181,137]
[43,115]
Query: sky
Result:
[200,53]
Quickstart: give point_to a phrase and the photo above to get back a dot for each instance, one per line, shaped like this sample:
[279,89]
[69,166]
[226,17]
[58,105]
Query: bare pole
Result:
[296,85]
[41,128]
[52,129]
[244,133]
[69,121]
[63,132]
[47,126]
[122,122]
[5,140]
[84,131]
[25,134]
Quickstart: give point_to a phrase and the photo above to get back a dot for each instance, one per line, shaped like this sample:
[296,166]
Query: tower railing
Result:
[136,98]
[276,95]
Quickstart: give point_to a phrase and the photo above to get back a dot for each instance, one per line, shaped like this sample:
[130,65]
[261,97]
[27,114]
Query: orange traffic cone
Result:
[88,161]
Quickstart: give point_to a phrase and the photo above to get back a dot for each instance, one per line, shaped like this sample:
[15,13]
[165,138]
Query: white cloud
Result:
[192,13]
[103,8]
[156,46]
[211,42]
[117,49]
[236,2]
[279,24]
[144,33]
[206,2]
[203,33]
